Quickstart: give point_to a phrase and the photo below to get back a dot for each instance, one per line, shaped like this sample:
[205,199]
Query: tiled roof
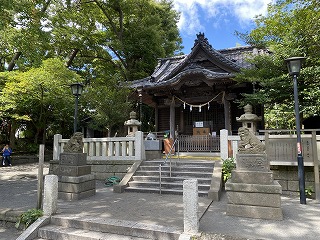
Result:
[170,70]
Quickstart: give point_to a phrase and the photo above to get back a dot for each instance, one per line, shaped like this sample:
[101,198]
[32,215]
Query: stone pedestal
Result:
[75,178]
[251,191]
[153,149]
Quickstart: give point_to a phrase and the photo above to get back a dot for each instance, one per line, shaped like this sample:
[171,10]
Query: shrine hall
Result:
[196,94]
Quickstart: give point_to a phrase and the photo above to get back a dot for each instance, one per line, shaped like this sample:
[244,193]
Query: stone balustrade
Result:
[114,148]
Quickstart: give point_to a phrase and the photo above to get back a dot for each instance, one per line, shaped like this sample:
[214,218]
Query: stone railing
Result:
[115,148]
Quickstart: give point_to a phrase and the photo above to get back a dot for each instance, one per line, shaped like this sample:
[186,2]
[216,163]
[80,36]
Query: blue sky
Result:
[218,20]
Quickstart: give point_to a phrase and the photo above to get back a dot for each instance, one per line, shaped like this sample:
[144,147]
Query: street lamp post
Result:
[140,103]
[294,66]
[76,89]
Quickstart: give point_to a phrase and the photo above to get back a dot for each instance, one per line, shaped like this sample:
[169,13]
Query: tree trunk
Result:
[12,137]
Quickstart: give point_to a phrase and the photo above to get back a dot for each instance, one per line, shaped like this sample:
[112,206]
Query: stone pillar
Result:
[190,202]
[50,198]
[75,178]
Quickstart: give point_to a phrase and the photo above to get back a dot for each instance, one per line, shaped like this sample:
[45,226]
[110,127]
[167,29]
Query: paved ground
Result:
[18,190]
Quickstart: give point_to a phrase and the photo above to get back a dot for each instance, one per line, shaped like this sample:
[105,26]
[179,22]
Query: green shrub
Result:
[309,190]
[29,217]
[227,166]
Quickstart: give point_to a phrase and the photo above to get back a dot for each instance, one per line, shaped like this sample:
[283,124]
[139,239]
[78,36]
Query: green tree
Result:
[107,104]
[40,96]
[106,42]
[291,28]
[128,34]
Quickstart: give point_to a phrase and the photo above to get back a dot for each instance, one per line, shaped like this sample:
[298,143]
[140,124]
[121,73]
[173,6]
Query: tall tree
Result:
[291,28]
[129,35]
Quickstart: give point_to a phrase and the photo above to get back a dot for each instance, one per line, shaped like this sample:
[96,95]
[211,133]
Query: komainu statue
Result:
[249,143]
[75,144]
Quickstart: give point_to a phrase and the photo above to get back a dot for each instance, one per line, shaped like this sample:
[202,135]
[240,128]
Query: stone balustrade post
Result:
[56,146]
[224,144]
[139,146]
[190,202]
[50,199]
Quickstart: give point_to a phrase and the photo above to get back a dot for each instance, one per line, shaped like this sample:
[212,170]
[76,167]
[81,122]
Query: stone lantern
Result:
[132,124]
[249,120]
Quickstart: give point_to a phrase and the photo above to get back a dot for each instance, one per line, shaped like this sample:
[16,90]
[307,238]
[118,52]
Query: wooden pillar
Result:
[181,126]
[172,118]
[156,118]
[227,123]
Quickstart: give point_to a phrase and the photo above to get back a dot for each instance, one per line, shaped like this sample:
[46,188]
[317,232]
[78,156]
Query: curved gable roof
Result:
[169,71]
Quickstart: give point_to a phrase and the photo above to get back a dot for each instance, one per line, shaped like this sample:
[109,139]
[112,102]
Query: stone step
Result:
[175,174]
[168,179]
[163,191]
[60,233]
[146,178]
[166,185]
[74,224]
[177,168]
[179,163]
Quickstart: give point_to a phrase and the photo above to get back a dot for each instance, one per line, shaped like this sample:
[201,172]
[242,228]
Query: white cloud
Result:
[195,12]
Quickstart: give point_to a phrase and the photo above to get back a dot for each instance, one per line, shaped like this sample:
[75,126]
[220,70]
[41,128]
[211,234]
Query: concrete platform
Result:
[18,192]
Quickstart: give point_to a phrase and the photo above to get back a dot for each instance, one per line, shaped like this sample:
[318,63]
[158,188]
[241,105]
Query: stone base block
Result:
[154,145]
[76,196]
[269,213]
[74,171]
[80,179]
[274,188]
[254,199]
[73,159]
[77,187]
[74,188]
[255,177]
[150,155]
[253,162]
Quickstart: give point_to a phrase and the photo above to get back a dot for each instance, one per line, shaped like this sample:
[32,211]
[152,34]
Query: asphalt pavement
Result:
[18,191]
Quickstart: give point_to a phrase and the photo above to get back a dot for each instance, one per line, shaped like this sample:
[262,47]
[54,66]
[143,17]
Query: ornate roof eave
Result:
[178,78]
[203,43]
[141,83]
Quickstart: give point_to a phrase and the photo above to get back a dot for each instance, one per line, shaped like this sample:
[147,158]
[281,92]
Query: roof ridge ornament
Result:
[201,39]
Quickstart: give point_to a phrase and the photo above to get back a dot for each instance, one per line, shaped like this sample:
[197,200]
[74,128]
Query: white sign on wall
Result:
[199,124]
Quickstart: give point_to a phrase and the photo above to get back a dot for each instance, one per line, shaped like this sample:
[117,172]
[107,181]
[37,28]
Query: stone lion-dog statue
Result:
[249,143]
[75,144]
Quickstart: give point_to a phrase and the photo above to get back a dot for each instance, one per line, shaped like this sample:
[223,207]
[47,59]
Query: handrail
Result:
[164,162]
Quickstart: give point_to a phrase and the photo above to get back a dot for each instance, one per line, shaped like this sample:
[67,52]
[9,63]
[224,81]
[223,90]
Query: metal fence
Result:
[202,143]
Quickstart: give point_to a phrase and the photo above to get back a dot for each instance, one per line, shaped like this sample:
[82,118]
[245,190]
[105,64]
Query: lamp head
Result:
[294,65]
[76,89]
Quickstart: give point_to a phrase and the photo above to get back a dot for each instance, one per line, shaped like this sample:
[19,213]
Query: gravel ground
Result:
[11,179]
[22,171]
[212,236]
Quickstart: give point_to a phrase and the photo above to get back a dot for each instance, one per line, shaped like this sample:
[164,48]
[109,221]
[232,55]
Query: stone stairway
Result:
[91,228]
[146,178]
